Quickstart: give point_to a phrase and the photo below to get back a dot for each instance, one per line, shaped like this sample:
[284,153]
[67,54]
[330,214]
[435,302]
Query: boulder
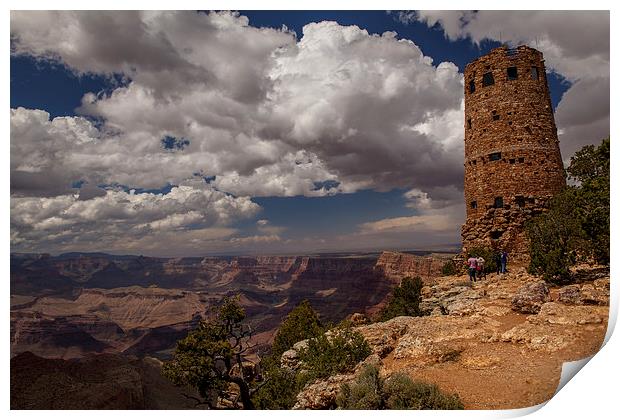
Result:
[321,394]
[559,314]
[591,295]
[529,298]
[358,319]
[570,295]
[290,360]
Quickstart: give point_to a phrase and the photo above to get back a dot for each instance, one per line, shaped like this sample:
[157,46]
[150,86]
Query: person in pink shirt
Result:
[472,264]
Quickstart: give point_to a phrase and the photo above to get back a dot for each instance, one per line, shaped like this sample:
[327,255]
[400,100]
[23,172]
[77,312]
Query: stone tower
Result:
[512,155]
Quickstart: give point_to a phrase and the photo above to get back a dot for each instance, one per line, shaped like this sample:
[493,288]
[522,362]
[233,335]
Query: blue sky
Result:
[252,203]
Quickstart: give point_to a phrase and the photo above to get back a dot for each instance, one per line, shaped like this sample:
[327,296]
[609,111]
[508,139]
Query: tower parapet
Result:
[512,155]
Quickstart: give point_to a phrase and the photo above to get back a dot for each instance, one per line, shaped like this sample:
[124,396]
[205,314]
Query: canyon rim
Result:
[185,184]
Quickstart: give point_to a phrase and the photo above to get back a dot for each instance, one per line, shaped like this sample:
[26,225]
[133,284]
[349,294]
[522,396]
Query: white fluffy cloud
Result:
[576,46]
[255,111]
[126,220]
[265,114]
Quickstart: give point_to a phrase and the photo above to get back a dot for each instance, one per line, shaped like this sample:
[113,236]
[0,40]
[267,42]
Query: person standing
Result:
[472,263]
[498,262]
[504,261]
[480,268]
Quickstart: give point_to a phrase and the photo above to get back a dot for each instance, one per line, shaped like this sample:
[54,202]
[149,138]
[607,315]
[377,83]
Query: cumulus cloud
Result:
[265,113]
[126,220]
[576,46]
[258,111]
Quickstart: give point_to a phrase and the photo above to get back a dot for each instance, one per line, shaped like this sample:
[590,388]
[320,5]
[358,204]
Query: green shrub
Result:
[363,394]
[399,392]
[340,352]
[589,167]
[301,323]
[405,300]
[576,225]
[555,238]
[283,385]
[280,389]
[449,269]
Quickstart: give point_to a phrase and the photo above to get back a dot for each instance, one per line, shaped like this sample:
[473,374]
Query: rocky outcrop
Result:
[100,382]
[596,293]
[530,298]
[396,265]
[476,345]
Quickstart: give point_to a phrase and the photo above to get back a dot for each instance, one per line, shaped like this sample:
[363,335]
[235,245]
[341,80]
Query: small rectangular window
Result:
[495,117]
[473,204]
[469,123]
[499,202]
[521,160]
[487,79]
[520,200]
[534,73]
[472,86]
[512,161]
[512,73]
[496,234]
[495,156]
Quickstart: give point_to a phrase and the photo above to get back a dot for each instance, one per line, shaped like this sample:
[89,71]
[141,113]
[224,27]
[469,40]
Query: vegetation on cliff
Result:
[324,354]
[282,385]
[405,300]
[210,359]
[399,392]
[301,323]
[577,223]
[328,354]
[449,269]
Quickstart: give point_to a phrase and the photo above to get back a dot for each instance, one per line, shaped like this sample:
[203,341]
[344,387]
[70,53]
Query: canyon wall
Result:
[77,304]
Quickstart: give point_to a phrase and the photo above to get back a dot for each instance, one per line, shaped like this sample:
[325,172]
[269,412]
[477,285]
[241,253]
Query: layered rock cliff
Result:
[67,305]
[397,265]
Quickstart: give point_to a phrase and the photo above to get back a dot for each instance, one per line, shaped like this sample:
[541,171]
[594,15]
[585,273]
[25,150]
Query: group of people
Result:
[475,265]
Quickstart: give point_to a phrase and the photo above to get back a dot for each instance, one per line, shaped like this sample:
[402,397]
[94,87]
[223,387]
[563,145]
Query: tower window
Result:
[495,156]
[521,160]
[472,86]
[496,234]
[534,73]
[473,204]
[498,203]
[528,129]
[512,161]
[520,200]
[469,123]
[495,117]
[487,79]
[512,73]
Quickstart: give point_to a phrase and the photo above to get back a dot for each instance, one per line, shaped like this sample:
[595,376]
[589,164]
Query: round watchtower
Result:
[512,155]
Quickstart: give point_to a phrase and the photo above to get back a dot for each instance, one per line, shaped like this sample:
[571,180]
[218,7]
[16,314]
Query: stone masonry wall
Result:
[511,147]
